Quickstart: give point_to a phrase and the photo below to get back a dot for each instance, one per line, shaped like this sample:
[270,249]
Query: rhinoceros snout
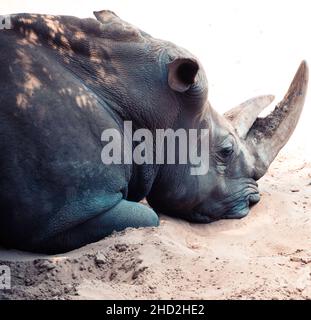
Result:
[243,207]
[234,205]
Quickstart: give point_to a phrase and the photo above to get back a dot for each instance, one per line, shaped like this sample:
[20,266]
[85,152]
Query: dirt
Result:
[266,255]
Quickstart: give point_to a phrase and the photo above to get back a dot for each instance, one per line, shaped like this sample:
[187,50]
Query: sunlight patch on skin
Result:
[94,58]
[30,38]
[65,42]
[65,91]
[64,50]
[54,26]
[22,101]
[79,35]
[26,20]
[46,71]
[23,58]
[83,101]
[101,72]
[30,82]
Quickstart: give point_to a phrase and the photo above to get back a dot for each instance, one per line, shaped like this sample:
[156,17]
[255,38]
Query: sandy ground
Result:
[266,255]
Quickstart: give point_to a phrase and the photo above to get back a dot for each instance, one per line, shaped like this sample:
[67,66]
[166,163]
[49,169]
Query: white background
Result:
[247,47]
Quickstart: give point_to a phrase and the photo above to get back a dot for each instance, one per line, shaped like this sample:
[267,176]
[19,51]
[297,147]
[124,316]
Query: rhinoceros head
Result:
[242,145]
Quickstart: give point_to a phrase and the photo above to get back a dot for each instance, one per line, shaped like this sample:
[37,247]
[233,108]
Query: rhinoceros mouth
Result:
[235,207]
[243,208]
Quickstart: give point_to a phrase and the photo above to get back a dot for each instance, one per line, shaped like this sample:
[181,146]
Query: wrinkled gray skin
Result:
[64,80]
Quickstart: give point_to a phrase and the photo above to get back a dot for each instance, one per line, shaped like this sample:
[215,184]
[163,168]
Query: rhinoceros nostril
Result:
[253,198]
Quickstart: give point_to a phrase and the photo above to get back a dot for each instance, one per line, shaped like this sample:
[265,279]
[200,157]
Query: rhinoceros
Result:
[63,80]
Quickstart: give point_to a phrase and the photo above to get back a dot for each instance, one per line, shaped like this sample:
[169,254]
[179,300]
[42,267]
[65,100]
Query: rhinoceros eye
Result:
[226,152]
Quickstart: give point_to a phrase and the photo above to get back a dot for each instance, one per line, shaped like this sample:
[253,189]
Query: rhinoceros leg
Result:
[124,215]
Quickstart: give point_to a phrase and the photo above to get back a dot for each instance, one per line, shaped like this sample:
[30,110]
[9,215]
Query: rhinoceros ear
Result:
[105,16]
[182,73]
[116,28]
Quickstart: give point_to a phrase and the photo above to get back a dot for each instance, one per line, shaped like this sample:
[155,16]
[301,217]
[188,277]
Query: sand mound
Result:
[265,255]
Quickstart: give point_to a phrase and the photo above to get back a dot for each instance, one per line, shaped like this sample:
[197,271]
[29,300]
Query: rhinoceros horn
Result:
[267,136]
[244,115]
